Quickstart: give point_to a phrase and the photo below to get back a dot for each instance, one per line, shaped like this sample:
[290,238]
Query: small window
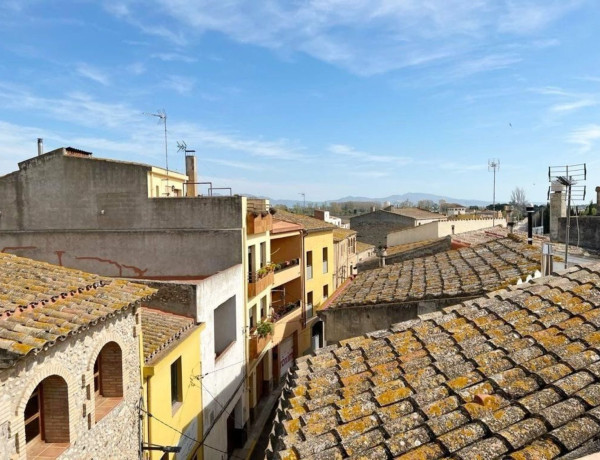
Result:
[309,264]
[325,261]
[176,390]
[309,304]
[263,254]
[251,317]
[224,319]
[108,379]
[326,291]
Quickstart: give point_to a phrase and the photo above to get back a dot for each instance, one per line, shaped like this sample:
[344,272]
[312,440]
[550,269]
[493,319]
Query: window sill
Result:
[225,350]
[175,407]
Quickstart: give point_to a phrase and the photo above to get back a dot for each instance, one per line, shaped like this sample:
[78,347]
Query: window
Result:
[263,308]
[108,379]
[251,317]
[46,418]
[326,291]
[309,304]
[225,327]
[309,263]
[263,254]
[325,261]
[157,190]
[176,390]
[251,263]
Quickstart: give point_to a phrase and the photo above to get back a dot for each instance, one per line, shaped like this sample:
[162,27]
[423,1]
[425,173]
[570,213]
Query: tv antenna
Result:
[182,147]
[568,176]
[162,116]
[494,165]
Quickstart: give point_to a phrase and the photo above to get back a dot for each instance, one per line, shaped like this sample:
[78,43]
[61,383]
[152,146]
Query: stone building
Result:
[373,227]
[69,363]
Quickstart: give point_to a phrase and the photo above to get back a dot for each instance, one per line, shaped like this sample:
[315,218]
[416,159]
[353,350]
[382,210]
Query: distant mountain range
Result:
[413,197]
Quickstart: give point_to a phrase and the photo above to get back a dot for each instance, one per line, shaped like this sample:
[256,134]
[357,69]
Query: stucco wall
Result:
[117,434]
[95,215]
[186,417]
[222,378]
[435,230]
[315,242]
[343,323]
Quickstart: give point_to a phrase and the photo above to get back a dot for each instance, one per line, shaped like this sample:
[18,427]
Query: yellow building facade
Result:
[172,388]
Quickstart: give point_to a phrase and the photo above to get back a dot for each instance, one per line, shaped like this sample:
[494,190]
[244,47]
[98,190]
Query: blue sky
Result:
[327,98]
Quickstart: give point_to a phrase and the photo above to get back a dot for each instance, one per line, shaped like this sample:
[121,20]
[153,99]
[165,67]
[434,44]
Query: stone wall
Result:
[585,231]
[374,227]
[117,434]
[343,323]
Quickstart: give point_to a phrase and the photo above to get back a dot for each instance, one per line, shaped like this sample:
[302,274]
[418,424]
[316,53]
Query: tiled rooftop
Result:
[464,272]
[41,303]
[340,234]
[360,246]
[161,329]
[515,374]
[417,213]
[400,248]
[309,223]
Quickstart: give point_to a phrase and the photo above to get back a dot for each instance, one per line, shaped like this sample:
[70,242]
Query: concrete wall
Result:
[585,231]
[343,323]
[117,434]
[223,377]
[95,215]
[373,227]
[441,245]
[435,230]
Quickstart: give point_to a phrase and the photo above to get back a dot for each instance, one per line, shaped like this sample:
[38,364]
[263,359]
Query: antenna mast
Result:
[569,176]
[494,165]
[162,115]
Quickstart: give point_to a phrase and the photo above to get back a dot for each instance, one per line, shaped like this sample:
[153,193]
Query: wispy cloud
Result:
[574,100]
[570,106]
[585,137]
[93,73]
[170,57]
[366,37]
[136,68]
[347,151]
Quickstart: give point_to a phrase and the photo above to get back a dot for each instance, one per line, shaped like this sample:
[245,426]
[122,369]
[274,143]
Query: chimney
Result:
[40,146]
[530,224]
[509,218]
[547,260]
[190,171]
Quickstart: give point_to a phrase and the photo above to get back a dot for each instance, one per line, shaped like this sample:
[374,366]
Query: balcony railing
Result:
[258,283]
[279,311]
[257,345]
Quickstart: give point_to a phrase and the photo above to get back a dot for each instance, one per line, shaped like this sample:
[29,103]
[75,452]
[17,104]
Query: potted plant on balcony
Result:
[264,328]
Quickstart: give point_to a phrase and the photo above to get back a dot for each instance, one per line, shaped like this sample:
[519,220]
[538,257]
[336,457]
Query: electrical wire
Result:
[215,399]
[200,443]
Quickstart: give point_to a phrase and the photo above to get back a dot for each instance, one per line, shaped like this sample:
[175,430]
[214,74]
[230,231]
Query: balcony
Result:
[258,222]
[257,345]
[287,271]
[258,283]
[280,311]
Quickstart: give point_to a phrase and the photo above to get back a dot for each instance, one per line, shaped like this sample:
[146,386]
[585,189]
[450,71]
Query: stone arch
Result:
[99,344]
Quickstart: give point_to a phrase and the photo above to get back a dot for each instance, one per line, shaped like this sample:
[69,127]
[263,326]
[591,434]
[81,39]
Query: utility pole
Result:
[494,165]
[303,201]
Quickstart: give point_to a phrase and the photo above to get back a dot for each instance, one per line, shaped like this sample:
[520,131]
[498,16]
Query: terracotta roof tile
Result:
[459,273]
[499,392]
[309,223]
[161,330]
[41,303]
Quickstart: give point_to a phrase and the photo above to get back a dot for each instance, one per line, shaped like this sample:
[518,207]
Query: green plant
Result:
[264,328]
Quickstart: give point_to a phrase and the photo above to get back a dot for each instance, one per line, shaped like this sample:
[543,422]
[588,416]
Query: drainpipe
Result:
[529,224]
